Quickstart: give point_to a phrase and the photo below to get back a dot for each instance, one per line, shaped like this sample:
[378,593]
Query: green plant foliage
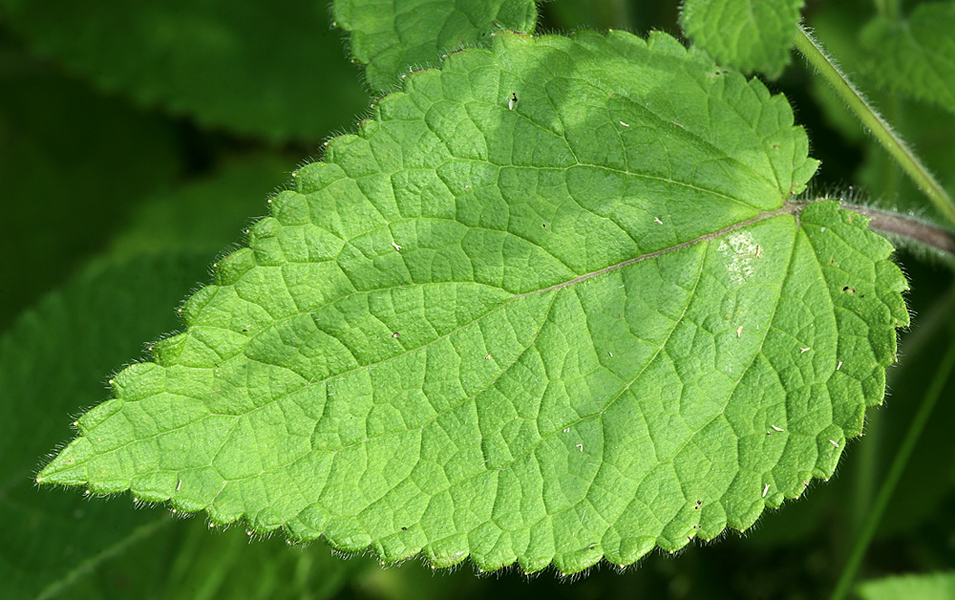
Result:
[271,69]
[86,329]
[50,539]
[393,37]
[937,586]
[207,214]
[916,56]
[52,542]
[925,126]
[77,159]
[534,311]
[751,35]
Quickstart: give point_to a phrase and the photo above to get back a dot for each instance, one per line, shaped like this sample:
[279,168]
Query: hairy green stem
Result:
[876,124]
[861,545]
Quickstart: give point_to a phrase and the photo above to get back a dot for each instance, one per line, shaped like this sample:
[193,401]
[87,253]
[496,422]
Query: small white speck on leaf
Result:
[179,485]
[512,101]
[839,366]
[765,490]
[834,443]
[777,428]
[657,221]
[397,247]
[566,429]
[759,250]
[488,357]
[739,331]
[804,350]
[580,447]
[611,354]
[823,229]
[625,124]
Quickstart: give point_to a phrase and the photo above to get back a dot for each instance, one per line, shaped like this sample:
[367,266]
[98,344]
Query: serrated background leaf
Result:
[915,57]
[750,35]
[391,38]
[507,321]
[271,69]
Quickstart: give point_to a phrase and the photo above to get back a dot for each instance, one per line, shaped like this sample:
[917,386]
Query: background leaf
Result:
[926,127]
[937,586]
[393,37]
[273,69]
[750,35]
[915,57]
[52,537]
[424,351]
[71,162]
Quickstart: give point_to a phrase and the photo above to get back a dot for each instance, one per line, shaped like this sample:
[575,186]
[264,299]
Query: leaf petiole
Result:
[908,229]
[889,139]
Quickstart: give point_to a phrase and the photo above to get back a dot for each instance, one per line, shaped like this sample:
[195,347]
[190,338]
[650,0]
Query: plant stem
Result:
[910,228]
[861,545]
[876,124]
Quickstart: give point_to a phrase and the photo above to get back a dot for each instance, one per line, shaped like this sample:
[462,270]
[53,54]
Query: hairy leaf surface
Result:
[915,56]
[552,304]
[751,35]
[392,37]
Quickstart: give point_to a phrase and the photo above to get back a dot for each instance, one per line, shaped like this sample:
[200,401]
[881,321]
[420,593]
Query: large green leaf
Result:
[553,303]
[275,69]
[393,37]
[915,56]
[752,35]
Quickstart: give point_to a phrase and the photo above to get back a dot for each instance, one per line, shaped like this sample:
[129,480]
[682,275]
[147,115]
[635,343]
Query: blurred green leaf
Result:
[750,35]
[393,37]
[928,129]
[934,586]
[72,166]
[206,214]
[90,328]
[916,56]
[54,359]
[273,69]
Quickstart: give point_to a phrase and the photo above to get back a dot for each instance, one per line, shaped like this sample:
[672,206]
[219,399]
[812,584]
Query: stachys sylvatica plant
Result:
[560,299]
